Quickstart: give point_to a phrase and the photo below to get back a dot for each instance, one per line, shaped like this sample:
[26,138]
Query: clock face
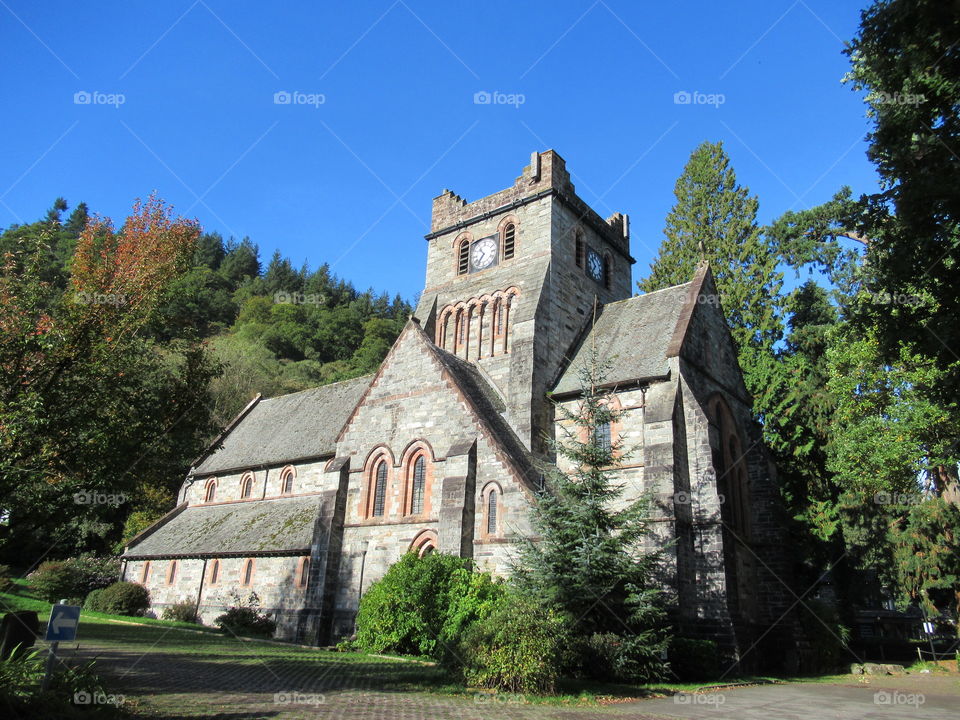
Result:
[483,254]
[595,265]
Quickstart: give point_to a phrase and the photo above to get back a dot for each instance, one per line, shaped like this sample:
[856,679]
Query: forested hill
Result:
[125,351]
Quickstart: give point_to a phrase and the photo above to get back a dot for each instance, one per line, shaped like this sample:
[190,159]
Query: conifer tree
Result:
[715,219]
[592,558]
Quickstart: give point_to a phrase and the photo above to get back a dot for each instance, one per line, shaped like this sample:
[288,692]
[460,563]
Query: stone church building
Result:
[308,498]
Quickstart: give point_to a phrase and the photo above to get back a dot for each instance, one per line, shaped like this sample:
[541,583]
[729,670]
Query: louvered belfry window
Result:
[463,257]
[419,481]
[380,490]
[509,241]
[492,513]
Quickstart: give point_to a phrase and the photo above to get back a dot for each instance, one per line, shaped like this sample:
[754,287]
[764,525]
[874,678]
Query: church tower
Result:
[511,283]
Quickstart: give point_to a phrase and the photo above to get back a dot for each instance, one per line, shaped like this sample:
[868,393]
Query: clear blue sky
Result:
[350,181]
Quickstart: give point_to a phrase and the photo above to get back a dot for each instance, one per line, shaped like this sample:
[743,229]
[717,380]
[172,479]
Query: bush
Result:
[695,660]
[245,618]
[828,637]
[519,647]
[73,577]
[6,583]
[121,598]
[185,611]
[423,605]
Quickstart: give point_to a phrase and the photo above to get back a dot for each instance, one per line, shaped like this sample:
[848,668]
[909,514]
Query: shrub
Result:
[93,603]
[245,618]
[73,577]
[828,637]
[6,583]
[184,611]
[695,660]
[423,605]
[519,647]
[121,598]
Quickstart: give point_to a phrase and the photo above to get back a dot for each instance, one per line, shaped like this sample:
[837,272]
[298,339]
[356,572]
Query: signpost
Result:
[62,627]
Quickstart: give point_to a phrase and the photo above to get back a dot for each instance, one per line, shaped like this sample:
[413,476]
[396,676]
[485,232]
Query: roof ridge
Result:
[647,294]
[316,387]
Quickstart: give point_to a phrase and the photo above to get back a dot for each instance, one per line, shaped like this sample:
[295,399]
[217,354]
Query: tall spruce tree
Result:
[715,219]
[592,558]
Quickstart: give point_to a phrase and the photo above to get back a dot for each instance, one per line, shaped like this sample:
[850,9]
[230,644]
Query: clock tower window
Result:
[509,241]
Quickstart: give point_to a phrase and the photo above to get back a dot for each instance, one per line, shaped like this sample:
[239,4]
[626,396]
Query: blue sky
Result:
[386,115]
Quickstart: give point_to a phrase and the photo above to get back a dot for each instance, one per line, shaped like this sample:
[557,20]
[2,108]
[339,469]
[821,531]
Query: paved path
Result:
[208,684]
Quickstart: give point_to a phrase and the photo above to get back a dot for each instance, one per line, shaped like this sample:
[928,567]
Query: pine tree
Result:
[715,219]
[589,559]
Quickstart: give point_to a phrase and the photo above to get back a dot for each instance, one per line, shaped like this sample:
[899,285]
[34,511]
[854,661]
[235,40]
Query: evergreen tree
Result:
[715,219]
[591,558]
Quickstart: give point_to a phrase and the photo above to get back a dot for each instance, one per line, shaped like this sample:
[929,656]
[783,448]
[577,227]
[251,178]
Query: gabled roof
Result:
[286,428]
[634,335]
[283,526]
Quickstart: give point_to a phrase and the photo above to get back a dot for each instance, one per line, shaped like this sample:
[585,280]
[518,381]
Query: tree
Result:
[714,219]
[588,560]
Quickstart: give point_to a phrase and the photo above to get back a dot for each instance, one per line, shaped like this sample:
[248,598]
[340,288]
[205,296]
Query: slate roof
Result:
[286,428]
[280,526]
[634,335]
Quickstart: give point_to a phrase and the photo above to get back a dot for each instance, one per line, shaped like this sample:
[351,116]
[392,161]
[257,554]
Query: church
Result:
[307,499]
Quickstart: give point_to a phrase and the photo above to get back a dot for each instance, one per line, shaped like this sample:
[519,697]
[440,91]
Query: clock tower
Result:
[512,279]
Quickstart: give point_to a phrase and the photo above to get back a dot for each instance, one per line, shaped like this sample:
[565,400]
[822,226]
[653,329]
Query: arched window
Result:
[246,485]
[246,577]
[461,327]
[492,513]
[509,241]
[607,271]
[214,572]
[490,504]
[578,250]
[145,574]
[380,489]
[210,494]
[601,436]
[424,543]
[303,572]
[286,480]
[463,257]
[418,485]
[172,572]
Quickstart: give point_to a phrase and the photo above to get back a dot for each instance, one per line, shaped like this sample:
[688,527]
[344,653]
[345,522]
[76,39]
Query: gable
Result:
[423,392]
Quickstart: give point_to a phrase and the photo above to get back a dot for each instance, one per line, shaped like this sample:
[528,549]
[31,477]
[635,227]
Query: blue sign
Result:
[62,626]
